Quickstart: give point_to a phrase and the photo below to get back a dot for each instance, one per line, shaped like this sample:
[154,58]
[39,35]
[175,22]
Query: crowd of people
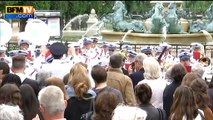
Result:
[90,81]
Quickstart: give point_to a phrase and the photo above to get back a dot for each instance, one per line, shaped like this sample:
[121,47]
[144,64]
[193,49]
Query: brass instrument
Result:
[205,61]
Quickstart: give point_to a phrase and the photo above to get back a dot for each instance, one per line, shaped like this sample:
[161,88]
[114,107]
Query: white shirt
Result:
[22,76]
[58,68]
[157,86]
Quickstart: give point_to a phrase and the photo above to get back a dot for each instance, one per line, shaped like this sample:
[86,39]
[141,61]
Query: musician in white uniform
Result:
[57,67]
[24,45]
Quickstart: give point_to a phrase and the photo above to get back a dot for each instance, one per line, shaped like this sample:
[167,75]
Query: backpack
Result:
[88,115]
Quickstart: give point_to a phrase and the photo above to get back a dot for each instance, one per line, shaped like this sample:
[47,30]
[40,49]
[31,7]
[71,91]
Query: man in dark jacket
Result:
[138,75]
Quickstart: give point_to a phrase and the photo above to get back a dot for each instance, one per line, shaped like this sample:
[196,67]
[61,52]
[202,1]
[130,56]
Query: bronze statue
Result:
[119,22]
[174,25]
[157,20]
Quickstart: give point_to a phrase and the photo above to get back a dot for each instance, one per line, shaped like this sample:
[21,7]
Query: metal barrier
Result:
[208,49]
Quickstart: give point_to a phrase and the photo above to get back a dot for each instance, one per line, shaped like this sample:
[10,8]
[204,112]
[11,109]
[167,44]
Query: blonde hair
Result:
[79,80]
[152,68]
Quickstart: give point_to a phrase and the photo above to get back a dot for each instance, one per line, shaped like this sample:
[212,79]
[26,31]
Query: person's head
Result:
[10,112]
[198,69]
[139,61]
[105,103]
[79,80]
[24,44]
[59,83]
[143,93]
[178,71]
[184,56]
[99,74]
[4,69]
[123,112]
[18,63]
[30,103]
[11,78]
[188,78]
[42,77]
[52,103]
[87,42]
[58,50]
[200,89]
[116,60]
[152,68]
[183,104]
[10,94]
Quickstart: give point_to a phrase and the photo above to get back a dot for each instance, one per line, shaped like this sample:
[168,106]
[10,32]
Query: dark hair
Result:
[5,67]
[10,94]
[11,78]
[99,74]
[183,104]
[18,61]
[178,71]
[105,103]
[144,93]
[200,88]
[30,103]
[116,60]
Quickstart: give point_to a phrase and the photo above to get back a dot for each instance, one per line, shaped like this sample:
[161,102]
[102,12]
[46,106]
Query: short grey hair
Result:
[52,99]
[152,69]
[8,112]
[42,77]
[140,57]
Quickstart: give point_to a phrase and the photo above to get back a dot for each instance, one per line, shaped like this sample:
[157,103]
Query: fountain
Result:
[175,29]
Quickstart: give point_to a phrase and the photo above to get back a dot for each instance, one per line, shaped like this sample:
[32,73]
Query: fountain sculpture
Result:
[168,23]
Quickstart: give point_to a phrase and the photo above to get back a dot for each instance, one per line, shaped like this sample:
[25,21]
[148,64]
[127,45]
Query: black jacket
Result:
[137,77]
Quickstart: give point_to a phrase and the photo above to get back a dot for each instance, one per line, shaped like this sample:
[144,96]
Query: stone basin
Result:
[144,38]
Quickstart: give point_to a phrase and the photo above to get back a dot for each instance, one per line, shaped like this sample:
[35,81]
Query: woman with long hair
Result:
[79,102]
[184,106]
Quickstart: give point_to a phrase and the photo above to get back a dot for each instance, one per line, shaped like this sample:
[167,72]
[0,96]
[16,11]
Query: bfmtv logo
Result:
[19,12]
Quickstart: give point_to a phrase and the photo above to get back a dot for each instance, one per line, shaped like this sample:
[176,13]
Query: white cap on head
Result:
[23,38]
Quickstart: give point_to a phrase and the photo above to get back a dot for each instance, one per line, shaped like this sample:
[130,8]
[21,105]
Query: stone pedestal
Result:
[92,19]
[143,38]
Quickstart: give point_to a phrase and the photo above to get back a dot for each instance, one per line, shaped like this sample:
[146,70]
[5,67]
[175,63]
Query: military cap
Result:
[158,49]
[94,39]
[87,41]
[132,53]
[17,52]
[184,54]
[146,49]
[196,45]
[112,47]
[23,41]
[2,49]
[58,49]
[165,45]
[104,44]
[126,47]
